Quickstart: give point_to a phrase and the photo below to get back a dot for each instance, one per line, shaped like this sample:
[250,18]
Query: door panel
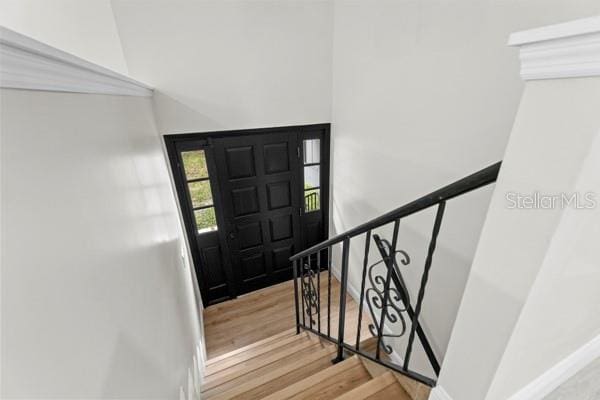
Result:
[211,258]
[259,182]
[279,194]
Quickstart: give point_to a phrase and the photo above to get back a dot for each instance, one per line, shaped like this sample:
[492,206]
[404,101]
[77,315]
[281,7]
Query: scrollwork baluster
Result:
[383,296]
[309,293]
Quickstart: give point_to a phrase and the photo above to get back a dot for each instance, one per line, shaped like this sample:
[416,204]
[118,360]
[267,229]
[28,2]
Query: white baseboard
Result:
[438,393]
[560,373]
[538,388]
[546,383]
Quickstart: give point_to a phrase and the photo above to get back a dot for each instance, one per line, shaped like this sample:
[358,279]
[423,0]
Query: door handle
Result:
[231,235]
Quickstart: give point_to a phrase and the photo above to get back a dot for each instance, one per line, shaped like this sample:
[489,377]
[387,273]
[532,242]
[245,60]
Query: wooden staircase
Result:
[286,365]
[290,366]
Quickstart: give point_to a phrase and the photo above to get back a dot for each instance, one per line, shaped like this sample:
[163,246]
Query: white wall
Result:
[560,308]
[230,65]
[96,299]
[516,246]
[86,29]
[424,93]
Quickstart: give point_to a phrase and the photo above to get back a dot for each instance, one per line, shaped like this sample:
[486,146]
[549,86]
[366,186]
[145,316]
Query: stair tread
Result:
[382,387]
[255,352]
[326,384]
[416,390]
[275,377]
[250,347]
[302,345]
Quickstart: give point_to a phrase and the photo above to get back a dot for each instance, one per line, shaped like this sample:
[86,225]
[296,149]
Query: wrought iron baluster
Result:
[386,291]
[403,294]
[296,300]
[362,288]
[302,291]
[329,291]
[395,295]
[436,230]
[318,261]
[342,310]
[308,293]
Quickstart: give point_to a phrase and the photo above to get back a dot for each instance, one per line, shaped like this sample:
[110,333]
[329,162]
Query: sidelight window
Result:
[312,174]
[199,190]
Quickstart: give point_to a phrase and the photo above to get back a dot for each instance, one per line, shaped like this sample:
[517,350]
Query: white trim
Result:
[560,373]
[558,31]
[439,393]
[567,50]
[26,63]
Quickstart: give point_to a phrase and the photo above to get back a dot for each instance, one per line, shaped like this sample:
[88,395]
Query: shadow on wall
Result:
[133,359]
[174,116]
[130,369]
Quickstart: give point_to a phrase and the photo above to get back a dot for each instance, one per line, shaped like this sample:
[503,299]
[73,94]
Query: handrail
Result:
[383,292]
[474,181]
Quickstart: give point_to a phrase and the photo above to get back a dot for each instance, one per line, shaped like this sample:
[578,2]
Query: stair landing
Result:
[264,313]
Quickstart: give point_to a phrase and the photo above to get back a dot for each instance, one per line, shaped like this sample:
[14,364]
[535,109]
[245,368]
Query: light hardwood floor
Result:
[249,318]
[261,314]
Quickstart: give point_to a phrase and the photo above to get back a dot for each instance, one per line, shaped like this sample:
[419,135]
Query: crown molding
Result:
[568,50]
[26,63]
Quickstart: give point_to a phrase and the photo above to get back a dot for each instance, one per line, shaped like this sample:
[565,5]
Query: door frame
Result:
[308,134]
[174,148]
[173,142]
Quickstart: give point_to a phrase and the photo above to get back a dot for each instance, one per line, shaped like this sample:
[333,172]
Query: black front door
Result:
[250,199]
[260,187]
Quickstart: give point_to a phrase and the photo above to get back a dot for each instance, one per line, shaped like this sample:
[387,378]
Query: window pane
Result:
[194,164]
[200,193]
[311,176]
[312,200]
[206,220]
[312,151]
